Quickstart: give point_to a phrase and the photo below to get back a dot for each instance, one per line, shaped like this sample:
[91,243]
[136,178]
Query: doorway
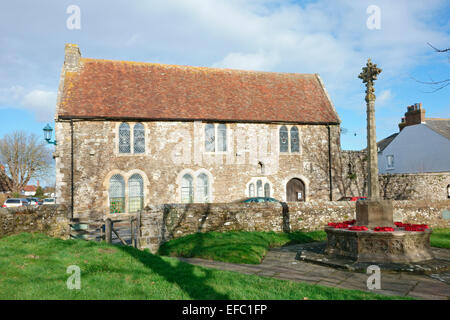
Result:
[295,190]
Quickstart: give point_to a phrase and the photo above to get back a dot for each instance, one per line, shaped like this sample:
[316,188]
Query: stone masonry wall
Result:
[52,220]
[173,149]
[160,223]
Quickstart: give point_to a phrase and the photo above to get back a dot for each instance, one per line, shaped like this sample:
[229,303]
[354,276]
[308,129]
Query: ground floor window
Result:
[117,194]
[135,193]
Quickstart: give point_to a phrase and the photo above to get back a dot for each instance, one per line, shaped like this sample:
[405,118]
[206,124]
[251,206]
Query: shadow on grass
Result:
[184,275]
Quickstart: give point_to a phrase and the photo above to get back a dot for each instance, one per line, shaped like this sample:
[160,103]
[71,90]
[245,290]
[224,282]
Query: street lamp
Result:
[48,134]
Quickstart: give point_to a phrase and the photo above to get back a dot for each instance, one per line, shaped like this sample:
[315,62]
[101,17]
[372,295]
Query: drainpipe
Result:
[329,164]
[71,159]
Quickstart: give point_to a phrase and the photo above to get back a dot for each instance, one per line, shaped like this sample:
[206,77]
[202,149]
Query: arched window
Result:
[251,190]
[135,193]
[209,138]
[259,188]
[284,139]
[116,194]
[187,192]
[294,140]
[222,137]
[202,188]
[139,138]
[124,138]
[267,190]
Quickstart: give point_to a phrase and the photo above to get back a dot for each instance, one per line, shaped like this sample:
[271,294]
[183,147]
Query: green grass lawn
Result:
[235,246]
[33,266]
[440,238]
[252,247]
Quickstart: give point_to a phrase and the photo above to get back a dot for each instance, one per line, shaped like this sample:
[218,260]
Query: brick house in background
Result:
[130,134]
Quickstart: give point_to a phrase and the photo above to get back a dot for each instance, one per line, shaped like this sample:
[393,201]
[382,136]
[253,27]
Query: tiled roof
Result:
[441,126]
[121,90]
[382,144]
[29,188]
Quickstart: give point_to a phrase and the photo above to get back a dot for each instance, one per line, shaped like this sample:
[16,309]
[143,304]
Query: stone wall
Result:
[52,220]
[173,149]
[160,223]
[350,179]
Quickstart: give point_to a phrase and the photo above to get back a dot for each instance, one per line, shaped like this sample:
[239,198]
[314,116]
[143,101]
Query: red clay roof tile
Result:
[118,89]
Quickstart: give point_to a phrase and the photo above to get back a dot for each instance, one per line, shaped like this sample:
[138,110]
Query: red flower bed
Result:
[411,226]
[358,228]
[338,225]
[383,229]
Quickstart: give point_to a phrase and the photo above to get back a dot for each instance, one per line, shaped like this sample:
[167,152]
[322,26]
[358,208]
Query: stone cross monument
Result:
[373,212]
[369,75]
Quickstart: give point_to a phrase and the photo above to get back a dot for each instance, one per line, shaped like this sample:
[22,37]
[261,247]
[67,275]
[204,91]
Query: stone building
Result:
[130,134]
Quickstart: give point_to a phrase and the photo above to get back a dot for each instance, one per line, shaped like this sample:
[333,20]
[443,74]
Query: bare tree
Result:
[437,84]
[24,157]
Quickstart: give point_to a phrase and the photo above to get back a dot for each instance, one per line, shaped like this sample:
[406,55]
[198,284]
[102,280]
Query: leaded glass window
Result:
[187,192]
[284,139]
[209,138]
[124,138]
[117,194]
[135,193]
[259,188]
[202,188]
[139,138]
[295,147]
[222,137]
[251,190]
[267,190]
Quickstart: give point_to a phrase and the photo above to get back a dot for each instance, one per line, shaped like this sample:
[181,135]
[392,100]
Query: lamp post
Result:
[48,134]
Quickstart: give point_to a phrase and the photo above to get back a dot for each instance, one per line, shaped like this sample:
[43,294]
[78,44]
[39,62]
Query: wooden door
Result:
[295,190]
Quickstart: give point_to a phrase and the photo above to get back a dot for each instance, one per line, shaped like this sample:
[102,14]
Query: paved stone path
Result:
[280,263]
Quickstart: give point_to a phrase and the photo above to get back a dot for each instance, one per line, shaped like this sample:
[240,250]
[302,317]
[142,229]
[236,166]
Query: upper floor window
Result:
[139,138]
[294,140]
[390,161]
[289,140]
[124,138]
[215,137]
[284,139]
[131,141]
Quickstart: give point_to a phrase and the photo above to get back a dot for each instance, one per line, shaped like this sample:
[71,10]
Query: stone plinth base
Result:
[379,247]
[375,213]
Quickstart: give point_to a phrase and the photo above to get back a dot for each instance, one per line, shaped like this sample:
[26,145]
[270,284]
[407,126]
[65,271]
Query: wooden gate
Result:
[295,190]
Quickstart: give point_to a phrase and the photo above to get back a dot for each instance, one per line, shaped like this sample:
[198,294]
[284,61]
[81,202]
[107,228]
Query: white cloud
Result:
[250,61]
[41,102]
[383,97]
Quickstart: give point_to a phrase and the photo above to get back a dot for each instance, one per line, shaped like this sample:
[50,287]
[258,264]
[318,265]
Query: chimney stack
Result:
[72,56]
[415,115]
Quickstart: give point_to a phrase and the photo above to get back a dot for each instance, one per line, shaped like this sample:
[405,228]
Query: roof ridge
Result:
[196,67]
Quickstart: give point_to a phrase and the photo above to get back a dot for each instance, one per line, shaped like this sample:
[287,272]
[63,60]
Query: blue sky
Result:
[326,37]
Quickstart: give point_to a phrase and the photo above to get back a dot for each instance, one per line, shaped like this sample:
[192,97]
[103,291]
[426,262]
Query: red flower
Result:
[383,229]
[358,228]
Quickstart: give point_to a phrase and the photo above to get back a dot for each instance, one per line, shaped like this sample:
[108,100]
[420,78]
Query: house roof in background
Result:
[382,144]
[441,126]
[29,188]
[133,90]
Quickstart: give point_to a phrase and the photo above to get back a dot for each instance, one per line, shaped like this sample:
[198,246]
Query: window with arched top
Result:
[116,194]
[135,193]
[210,139]
[187,192]
[295,146]
[251,190]
[284,139]
[124,138]
[259,188]
[267,190]
[139,138]
[202,188]
[222,137]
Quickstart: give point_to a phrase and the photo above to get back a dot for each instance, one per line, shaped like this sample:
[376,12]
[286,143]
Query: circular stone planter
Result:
[398,246]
